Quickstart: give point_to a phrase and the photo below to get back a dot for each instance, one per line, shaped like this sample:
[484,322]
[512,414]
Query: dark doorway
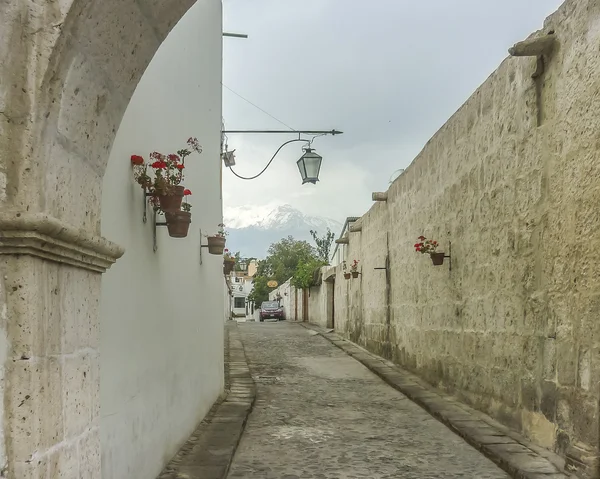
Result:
[333,305]
[305,305]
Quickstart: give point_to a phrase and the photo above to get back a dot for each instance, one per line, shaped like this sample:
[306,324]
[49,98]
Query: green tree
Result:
[306,273]
[323,244]
[280,265]
[283,258]
[260,290]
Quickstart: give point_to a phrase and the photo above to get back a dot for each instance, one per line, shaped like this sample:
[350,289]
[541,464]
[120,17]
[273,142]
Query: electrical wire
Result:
[270,161]
[258,107]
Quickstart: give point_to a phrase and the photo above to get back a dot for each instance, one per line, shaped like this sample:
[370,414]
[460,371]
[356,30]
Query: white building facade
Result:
[241,284]
[161,336]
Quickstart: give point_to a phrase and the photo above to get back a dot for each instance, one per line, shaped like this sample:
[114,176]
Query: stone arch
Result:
[67,71]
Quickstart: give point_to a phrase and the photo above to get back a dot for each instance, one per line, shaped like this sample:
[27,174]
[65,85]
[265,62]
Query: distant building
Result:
[241,284]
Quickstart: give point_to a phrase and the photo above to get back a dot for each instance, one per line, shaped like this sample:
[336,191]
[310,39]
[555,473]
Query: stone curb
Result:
[508,449]
[209,451]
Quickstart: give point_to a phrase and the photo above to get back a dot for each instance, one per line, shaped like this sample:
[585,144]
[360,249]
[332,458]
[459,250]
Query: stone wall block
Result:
[566,362]
[22,288]
[37,469]
[64,462]
[77,393]
[89,455]
[165,13]
[584,369]
[34,407]
[549,400]
[79,329]
[574,410]
[89,113]
[530,394]
[54,307]
[549,359]
[121,47]
[73,190]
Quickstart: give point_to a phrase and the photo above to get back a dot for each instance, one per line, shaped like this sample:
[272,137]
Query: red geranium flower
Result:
[137,160]
[180,166]
[187,192]
[159,165]
[422,238]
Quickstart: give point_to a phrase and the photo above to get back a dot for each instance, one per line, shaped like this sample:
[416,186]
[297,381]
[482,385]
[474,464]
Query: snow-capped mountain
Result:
[252,229]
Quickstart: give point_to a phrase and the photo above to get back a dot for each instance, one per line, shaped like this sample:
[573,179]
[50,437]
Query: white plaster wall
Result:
[161,313]
[286,291]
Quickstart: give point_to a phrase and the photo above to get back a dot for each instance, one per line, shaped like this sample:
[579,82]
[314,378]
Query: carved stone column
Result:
[49,296]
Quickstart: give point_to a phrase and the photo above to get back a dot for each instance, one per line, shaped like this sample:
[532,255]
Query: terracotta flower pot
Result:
[437,259]
[355,274]
[171,202]
[347,275]
[216,244]
[178,223]
[228,265]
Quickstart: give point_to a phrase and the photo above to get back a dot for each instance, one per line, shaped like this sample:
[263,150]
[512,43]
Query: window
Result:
[239,302]
[270,305]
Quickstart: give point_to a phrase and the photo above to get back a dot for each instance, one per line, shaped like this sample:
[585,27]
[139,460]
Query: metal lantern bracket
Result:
[155,225]
[146,196]
[201,245]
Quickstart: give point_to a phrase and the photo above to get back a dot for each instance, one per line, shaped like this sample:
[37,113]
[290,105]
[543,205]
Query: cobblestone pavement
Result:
[321,414]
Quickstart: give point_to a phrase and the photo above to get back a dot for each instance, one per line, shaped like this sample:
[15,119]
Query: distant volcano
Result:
[252,229]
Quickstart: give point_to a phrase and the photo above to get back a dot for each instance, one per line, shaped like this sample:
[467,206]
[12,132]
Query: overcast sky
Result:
[388,73]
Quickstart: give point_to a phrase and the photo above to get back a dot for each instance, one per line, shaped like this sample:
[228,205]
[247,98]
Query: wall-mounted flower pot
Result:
[437,259]
[228,265]
[178,223]
[216,244]
[347,275]
[355,274]
[173,201]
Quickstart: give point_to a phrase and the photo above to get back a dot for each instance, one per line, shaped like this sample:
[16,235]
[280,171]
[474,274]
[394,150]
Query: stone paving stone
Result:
[329,417]
[508,449]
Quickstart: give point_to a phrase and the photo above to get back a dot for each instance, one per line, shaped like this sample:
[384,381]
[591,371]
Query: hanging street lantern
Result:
[310,166]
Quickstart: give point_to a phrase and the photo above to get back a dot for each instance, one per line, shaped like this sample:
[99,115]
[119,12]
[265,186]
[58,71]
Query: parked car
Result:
[271,309]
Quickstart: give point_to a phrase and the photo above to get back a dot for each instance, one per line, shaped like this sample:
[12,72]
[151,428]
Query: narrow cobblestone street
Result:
[321,414]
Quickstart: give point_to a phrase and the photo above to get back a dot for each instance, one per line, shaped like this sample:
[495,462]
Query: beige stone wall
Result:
[320,300]
[513,329]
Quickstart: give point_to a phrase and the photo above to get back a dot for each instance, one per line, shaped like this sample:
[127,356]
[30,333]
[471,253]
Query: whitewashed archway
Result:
[67,72]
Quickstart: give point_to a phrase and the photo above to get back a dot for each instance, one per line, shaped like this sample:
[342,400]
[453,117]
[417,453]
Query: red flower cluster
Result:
[425,246]
[159,165]
[166,173]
